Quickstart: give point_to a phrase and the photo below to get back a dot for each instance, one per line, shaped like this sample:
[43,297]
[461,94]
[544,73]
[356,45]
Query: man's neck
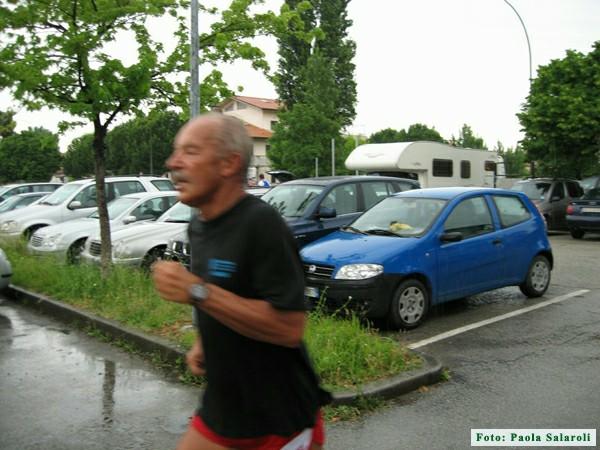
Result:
[222,201]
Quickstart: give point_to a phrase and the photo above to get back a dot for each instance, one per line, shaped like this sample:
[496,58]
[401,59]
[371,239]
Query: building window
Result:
[241,105]
[229,107]
[442,167]
[273,123]
[465,169]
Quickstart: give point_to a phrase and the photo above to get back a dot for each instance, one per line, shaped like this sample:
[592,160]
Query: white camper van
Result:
[432,163]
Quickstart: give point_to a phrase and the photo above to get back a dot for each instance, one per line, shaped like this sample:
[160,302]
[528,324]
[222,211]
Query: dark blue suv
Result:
[315,207]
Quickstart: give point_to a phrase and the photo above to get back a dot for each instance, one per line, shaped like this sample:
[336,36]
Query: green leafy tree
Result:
[561,117]
[467,139]
[385,135]
[420,132]
[514,160]
[78,160]
[31,155]
[7,123]
[53,54]
[321,25]
[304,132]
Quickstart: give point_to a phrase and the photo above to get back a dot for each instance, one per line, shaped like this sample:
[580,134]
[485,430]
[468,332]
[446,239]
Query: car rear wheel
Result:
[409,305]
[538,277]
[577,234]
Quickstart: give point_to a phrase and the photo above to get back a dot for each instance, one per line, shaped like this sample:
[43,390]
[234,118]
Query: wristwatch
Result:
[198,293]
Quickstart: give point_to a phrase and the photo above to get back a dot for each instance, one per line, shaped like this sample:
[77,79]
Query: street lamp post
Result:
[526,37]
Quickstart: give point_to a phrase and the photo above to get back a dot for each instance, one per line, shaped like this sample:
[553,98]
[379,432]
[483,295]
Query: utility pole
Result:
[332,157]
[194,63]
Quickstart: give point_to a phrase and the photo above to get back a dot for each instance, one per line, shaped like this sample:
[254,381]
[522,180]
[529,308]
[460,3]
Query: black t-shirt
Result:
[253,388]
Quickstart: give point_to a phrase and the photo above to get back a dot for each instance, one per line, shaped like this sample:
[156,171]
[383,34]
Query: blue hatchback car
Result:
[428,246]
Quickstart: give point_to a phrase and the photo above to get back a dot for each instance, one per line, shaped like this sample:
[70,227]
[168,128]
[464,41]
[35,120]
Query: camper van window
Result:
[489,166]
[465,169]
[442,167]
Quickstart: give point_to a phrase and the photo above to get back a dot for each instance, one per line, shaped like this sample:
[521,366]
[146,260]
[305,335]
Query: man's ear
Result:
[231,165]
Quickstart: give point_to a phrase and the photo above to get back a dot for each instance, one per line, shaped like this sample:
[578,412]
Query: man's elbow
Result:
[292,335]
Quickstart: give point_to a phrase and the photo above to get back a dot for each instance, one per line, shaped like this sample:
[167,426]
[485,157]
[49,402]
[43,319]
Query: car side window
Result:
[574,189]
[343,198]
[511,210]
[374,192]
[154,208]
[87,197]
[558,191]
[127,187]
[471,217]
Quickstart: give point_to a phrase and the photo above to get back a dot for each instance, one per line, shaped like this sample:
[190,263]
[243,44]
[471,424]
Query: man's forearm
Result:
[255,319]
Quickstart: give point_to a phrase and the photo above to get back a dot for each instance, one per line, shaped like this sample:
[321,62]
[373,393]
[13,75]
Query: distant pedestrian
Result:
[262,182]
[262,392]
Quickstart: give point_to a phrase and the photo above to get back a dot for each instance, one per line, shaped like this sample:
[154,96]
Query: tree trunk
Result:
[99,147]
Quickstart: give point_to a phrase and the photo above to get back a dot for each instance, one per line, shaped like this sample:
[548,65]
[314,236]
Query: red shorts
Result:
[268,442]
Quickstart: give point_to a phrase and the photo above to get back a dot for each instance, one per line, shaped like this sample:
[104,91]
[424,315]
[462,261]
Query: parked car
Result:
[67,239]
[551,197]
[142,243]
[590,183]
[583,214]
[5,270]
[19,201]
[9,190]
[73,200]
[424,247]
[315,207]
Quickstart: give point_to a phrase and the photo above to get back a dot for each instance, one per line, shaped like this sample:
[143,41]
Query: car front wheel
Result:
[409,305]
[538,277]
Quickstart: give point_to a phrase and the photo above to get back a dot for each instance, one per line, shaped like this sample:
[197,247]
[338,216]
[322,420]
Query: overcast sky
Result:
[438,62]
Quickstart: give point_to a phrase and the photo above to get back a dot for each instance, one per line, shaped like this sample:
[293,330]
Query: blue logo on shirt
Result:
[221,268]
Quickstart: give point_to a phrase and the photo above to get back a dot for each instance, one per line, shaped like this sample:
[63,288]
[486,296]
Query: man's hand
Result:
[195,359]
[173,281]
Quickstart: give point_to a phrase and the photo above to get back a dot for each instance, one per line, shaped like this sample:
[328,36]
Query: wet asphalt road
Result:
[61,389]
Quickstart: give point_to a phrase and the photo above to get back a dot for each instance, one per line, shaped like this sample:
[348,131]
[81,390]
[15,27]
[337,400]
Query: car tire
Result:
[410,305]
[75,250]
[538,277]
[156,254]
[577,234]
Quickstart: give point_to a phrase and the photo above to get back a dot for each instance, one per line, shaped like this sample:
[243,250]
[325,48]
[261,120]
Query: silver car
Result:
[68,238]
[5,270]
[141,244]
[21,201]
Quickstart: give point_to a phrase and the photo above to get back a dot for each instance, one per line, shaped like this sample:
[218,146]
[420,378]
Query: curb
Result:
[389,388]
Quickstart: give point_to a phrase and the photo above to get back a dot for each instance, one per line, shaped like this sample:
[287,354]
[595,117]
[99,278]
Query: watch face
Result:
[198,292]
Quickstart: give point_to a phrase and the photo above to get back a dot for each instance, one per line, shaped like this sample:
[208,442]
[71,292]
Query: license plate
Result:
[311,292]
[590,210]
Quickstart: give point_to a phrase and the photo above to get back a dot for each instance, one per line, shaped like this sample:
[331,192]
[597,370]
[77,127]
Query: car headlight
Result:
[10,226]
[51,240]
[358,271]
[121,250]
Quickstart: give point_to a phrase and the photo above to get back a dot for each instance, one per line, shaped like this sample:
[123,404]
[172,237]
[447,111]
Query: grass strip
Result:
[346,353]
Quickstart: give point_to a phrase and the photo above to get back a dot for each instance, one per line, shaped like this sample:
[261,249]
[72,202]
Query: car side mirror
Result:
[75,205]
[451,236]
[326,213]
[129,219]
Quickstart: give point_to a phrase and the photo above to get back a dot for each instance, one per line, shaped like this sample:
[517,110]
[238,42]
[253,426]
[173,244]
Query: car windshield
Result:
[535,190]
[61,194]
[292,200]
[116,207]
[586,183]
[399,216]
[9,203]
[179,213]
[592,194]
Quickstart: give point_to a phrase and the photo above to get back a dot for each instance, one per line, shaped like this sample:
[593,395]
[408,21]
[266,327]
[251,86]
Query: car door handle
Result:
[497,241]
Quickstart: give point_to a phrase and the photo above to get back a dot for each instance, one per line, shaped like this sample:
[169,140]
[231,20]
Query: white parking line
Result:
[518,312]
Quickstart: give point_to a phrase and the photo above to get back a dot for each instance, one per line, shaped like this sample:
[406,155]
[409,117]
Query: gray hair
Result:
[232,137]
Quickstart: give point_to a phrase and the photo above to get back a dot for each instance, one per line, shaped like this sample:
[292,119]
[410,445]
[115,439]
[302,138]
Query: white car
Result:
[68,239]
[5,270]
[141,244]
[19,201]
[73,200]
[8,190]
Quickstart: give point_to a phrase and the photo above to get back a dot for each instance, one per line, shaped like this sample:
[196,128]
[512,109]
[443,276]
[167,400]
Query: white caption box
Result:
[534,437]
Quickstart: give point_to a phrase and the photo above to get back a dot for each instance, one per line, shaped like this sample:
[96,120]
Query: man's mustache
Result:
[177,177]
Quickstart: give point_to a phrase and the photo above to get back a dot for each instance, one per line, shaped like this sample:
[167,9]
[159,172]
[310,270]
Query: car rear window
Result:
[163,185]
[535,190]
[511,210]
